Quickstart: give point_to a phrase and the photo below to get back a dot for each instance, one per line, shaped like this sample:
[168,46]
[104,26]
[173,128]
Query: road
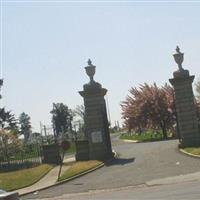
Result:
[181,191]
[137,164]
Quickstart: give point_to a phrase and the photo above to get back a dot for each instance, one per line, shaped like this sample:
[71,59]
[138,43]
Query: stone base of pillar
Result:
[82,150]
[189,142]
[51,154]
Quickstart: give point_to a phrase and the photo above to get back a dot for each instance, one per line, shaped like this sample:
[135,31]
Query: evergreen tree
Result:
[25,126]
[61,118]
[7,119]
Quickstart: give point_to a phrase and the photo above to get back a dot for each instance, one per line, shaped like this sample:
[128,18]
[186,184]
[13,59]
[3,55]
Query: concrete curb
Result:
[66,180]
[131,141]
[189,154]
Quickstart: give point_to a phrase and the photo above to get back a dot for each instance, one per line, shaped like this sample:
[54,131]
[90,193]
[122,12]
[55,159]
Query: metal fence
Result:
[27,156]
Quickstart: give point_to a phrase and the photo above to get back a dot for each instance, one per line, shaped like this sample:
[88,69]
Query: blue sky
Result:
[45,47]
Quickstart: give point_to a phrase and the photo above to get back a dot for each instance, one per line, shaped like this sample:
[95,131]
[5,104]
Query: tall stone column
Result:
[96,122]
[185,104]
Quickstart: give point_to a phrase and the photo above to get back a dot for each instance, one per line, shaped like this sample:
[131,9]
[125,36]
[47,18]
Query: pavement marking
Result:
[175,179]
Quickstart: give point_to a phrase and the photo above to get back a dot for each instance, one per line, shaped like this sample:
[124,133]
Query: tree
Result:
[1,84]
[198,91]
[9,144]
[80,111]
[150,107]
[36,138]
[7,119]
[25,126]
[62,118]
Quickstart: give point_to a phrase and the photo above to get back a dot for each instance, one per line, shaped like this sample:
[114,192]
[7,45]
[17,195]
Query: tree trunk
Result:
[164,131]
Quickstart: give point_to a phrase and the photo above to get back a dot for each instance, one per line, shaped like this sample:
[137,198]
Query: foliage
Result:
[72,148]
[80,111]
[22,178]
[9,144]
[79,126]
[198,91]
[25,126]
[62,119]
[79,167]
[1,84]
[36,138]
[198,100]
[144,137]
[150,107]
[7,119]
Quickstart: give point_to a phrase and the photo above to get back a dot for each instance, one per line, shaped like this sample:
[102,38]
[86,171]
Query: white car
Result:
[8,195]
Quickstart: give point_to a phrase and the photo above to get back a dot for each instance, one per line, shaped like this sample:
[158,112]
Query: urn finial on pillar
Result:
[90,70]
[179,57]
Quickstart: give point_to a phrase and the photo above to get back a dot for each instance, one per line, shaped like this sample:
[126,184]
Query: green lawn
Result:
[22,178]
[79,167]
[193,150]
[147,136]
[72,148]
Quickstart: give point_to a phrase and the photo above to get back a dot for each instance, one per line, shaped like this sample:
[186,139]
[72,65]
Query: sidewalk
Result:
[48,180]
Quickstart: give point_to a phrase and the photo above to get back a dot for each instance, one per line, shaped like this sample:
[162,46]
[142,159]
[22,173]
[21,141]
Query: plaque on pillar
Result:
[97,137]
[96,122]
[187,120]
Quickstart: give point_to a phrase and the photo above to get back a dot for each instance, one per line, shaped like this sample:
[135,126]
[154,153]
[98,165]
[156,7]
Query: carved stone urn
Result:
[90,70]
[179,57]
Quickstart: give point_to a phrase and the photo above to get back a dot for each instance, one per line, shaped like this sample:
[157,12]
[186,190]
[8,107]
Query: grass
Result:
[147,136]
[193,150]
[79,167]
[72,148]
[21,178]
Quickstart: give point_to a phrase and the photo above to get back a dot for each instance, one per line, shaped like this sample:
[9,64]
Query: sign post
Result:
[65,145]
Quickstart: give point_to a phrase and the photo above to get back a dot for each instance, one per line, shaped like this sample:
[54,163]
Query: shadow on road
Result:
[120,161]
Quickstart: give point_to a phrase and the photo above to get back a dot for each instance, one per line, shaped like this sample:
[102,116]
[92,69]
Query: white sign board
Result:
[97,137]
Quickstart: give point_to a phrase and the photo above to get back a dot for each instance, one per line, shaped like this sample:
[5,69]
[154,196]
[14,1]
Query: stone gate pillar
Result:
[185,104]
[96,122]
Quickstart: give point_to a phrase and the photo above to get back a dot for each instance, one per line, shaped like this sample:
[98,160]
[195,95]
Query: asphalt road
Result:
[137,164]
[180,191]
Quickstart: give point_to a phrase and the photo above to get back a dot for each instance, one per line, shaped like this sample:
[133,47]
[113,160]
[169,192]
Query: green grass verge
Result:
[79,167]
[72,148]
[193,150]
[21,178]
[144,137]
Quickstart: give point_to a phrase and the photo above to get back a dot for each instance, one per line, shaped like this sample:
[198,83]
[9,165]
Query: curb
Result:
[189,154]
[131,141]
[66,180]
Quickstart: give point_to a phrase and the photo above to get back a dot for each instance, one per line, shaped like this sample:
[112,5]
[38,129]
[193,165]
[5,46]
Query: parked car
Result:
[8,195]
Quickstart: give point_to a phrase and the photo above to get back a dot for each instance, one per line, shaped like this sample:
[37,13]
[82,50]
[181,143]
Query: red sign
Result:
[65,145]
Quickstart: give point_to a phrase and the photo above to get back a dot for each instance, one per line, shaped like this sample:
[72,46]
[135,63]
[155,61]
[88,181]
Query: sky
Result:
[45,46]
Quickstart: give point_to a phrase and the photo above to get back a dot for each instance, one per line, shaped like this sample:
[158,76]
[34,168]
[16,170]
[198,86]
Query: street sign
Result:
[65,145]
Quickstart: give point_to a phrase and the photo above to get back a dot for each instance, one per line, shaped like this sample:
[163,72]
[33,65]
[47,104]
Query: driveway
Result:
[137,164]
